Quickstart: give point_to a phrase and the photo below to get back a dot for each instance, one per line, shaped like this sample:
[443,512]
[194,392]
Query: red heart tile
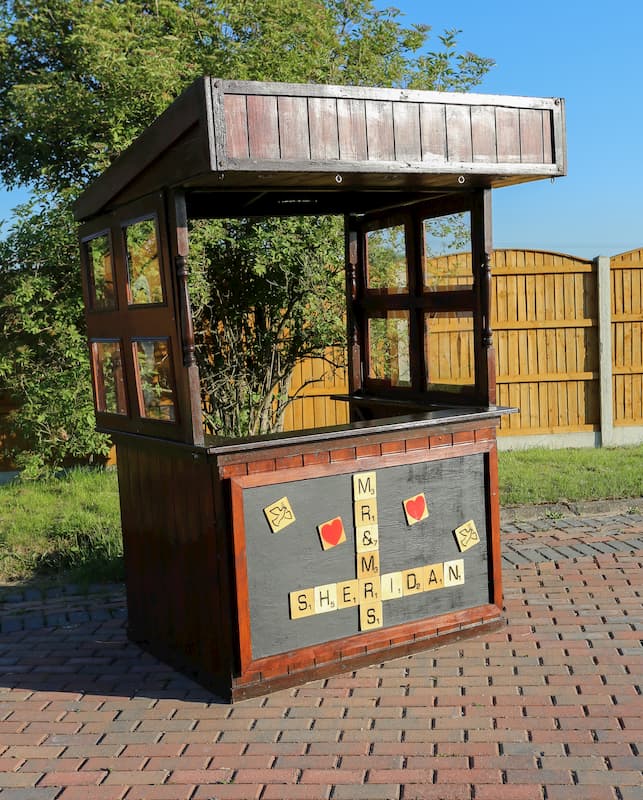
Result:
[332,531]
[416,507]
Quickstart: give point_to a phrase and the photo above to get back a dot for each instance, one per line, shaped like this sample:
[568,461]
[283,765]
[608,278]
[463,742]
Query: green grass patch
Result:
[68,528]
[65,526]
[549,476]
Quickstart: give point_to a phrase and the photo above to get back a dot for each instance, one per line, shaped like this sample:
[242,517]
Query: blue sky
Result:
[590,54]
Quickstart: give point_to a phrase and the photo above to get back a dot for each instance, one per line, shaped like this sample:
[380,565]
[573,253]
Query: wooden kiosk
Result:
[260,564]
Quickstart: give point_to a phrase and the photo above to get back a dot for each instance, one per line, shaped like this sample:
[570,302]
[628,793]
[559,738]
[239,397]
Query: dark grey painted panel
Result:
[292,559]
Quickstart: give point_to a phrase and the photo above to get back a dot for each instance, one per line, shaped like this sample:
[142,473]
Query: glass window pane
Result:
[447,253]
[388,341]
[449,351]
[109,377]
[155,379]
[101,273]
[386,269]
[143,265]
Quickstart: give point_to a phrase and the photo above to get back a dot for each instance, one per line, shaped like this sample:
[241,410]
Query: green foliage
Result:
[43,351]
[66,524]
[267,293]
[79,80]
[548,476]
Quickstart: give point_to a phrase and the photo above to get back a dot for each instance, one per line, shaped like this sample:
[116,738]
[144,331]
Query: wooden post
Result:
[481,249]
[604,287]
[180,249]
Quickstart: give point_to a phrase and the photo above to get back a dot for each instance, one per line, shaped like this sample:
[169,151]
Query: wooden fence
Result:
[569,339]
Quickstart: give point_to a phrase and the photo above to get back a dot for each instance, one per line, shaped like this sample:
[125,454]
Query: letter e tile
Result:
[347,594]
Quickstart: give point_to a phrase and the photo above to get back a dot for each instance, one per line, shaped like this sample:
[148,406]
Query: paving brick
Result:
[367,792]
[452,791]
[164,792]
[296,792]
[37,793]
[230,791]
[96,793]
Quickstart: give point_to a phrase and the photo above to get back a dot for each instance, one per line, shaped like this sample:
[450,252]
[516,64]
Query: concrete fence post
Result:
[605,349]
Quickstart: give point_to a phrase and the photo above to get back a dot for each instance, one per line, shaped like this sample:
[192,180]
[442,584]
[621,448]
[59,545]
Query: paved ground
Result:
[549,707]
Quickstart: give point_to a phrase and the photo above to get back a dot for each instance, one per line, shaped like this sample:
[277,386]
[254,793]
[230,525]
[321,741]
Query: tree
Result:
[80,79]
[43,350]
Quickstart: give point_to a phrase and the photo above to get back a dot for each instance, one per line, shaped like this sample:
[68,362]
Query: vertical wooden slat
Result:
[236,121]
[548,128]
[458,122]
[508,128]
[483,134]
[324,136]
[433,133]
[294,137]
[531,136]
[379,130]
[351,122]
[406,122]
[263,127]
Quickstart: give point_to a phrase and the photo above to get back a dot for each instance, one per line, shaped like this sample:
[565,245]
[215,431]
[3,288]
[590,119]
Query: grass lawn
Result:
[68,528]
[548,476]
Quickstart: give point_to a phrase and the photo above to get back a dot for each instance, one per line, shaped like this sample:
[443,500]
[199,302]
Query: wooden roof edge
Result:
[382,93]
[202,103]
[182,114]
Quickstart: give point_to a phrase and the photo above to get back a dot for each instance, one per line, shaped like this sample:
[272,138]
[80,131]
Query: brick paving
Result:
[548,707]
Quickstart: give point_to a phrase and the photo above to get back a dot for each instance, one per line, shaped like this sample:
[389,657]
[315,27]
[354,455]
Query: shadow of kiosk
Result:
[261,563]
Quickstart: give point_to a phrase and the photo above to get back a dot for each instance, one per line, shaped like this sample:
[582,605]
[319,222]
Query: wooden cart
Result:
[261,563]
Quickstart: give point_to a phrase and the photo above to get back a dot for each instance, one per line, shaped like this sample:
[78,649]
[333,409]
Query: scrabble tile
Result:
[369,589]
[347,593]
[279,514]
[365,513]
[391,584]
[364,485]
[433,577]
[454,572]
[413,581]
[368,565]
[367,538]
[302,603]
[467,535]
[370,615]
[415,509]
[325,598]
[331,533]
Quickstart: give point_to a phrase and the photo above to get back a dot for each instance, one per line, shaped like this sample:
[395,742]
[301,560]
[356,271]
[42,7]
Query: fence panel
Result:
[544,316]
[626,272]
[313,383]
